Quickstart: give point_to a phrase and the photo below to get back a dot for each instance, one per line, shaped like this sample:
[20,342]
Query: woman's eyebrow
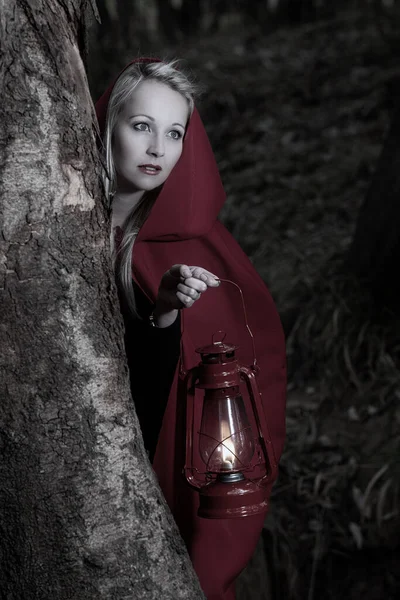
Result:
[152,119]
[140,115]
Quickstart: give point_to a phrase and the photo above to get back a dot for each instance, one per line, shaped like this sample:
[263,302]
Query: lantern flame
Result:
[228,447]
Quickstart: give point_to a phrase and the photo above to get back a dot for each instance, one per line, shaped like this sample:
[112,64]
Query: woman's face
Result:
[148,136]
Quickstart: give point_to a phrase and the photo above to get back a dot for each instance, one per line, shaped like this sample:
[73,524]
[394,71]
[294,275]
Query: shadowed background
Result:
[298,99]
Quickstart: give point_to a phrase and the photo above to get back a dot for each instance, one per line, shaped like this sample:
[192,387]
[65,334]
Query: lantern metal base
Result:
[223,499]
[230,477]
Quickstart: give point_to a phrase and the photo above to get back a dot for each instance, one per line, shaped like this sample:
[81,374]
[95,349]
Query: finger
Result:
[180,271]
[185,272]
[212,281]
[191,292]
[194,284]
[209,278]
[186,300]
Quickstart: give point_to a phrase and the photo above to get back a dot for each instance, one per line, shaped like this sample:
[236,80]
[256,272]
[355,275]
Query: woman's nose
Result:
[156,148]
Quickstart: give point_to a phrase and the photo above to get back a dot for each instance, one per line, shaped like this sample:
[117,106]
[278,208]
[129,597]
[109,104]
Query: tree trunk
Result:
[375,252]
[81,515]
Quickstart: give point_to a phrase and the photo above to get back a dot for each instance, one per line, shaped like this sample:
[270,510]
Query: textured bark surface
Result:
[81,515]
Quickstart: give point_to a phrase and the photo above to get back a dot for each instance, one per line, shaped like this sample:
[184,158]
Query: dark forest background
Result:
[301,103]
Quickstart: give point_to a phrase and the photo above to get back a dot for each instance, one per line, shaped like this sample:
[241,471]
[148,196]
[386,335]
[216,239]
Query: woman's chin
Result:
[149,184]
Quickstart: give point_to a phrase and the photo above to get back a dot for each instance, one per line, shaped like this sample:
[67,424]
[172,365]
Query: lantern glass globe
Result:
[226,442]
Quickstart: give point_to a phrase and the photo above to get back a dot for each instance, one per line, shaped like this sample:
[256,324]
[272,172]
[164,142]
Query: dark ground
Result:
[297,119]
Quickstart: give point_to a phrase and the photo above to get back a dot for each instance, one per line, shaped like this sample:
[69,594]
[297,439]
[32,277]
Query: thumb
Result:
[180,271]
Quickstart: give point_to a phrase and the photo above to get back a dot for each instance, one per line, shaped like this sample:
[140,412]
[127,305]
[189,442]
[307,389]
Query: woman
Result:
[167,194]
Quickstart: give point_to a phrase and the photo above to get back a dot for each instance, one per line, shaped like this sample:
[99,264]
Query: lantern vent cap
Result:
[217,348]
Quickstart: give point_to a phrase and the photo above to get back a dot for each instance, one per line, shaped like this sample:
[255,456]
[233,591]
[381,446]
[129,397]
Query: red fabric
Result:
[183,228]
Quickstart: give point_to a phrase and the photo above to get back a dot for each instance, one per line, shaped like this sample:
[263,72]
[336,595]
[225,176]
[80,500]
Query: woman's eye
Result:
[141,127]
[176,135]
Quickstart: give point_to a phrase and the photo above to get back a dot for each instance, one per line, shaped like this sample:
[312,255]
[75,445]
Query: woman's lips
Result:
[150,169]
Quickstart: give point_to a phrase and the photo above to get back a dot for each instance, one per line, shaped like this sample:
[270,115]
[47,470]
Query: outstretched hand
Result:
[181,286]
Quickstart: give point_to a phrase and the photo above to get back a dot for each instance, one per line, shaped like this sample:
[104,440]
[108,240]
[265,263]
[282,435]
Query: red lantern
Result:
[239,463]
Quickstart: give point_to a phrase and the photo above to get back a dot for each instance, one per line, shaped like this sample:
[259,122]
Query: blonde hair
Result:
[162,72]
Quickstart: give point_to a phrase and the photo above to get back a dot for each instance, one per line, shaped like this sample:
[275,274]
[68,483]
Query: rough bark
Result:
[81,515]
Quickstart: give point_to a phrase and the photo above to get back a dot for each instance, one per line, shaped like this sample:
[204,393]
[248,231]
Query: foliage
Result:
[340,481]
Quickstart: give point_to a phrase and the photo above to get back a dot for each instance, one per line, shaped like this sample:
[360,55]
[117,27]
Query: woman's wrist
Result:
[162,316]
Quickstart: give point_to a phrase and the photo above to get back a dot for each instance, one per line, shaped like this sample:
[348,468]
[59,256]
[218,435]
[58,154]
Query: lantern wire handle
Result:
[255,366]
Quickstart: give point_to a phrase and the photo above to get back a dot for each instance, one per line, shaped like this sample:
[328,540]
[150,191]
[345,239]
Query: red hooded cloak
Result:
[183,228]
